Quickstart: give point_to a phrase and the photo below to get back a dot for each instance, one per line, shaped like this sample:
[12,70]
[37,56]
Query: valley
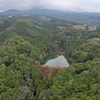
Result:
[25,41]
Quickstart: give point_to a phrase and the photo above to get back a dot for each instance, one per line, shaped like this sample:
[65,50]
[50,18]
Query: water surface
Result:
[60,61]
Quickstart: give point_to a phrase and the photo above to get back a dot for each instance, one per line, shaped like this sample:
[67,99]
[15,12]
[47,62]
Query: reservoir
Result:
[59,61]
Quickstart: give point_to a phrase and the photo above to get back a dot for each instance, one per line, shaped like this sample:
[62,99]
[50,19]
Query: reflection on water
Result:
[60,61]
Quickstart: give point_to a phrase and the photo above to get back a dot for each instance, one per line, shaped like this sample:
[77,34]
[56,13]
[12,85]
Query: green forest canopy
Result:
[26,41]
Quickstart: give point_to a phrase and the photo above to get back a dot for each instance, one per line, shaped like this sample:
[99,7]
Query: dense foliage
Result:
[26,41]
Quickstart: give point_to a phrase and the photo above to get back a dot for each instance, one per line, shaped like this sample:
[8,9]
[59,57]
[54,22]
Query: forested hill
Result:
[24,43]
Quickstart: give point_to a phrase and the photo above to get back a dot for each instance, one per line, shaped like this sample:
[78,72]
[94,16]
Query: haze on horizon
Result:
[62,5]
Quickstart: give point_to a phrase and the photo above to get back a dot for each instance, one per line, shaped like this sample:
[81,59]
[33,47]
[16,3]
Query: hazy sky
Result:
[65,5]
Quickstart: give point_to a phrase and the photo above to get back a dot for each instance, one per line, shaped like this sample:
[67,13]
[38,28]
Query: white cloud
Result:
[66,5]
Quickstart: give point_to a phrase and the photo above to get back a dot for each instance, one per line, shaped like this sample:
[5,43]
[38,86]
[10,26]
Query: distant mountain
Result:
[11,11]
[91,19]
[54,13]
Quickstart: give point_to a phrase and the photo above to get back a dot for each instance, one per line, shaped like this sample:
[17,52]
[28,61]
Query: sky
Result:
[62,5]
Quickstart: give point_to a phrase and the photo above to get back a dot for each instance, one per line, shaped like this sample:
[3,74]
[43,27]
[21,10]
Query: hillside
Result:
[24,43]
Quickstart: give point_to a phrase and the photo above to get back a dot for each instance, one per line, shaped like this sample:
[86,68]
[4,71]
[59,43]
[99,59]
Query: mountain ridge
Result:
[85,18]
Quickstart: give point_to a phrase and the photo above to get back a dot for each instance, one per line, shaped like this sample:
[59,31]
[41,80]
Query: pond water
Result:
[59,61]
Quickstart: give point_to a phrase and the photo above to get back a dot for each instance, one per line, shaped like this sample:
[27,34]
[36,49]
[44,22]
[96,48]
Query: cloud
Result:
[65,5]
